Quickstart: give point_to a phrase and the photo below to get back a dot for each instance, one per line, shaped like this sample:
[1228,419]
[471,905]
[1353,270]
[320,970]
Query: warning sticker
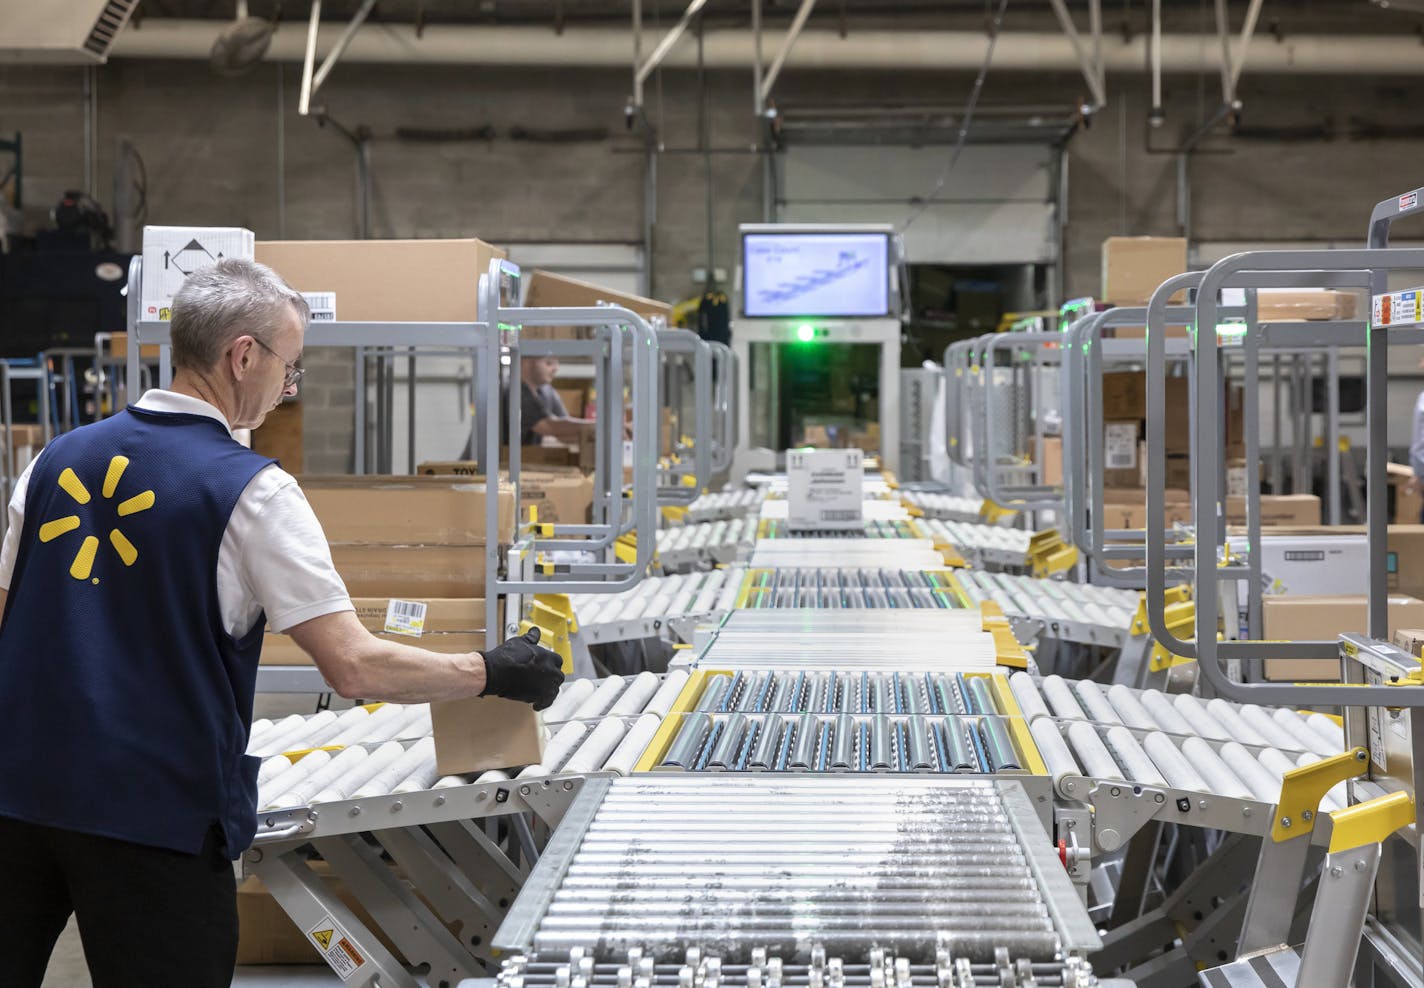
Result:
[336,947]
[406,617]
[1408,201]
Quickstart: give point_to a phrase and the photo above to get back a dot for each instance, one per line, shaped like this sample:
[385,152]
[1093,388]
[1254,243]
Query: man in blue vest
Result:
[145,555]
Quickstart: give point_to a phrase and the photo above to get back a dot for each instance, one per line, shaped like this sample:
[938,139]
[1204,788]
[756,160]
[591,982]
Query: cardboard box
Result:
[549,290]
[562,496]
[1404,554]
[388,510]
[1277,509]
[1049,461]
[1124,395]
[280,436]
[1406,507]
[1301,304]
[25,442]
[1134,267]
[171,253]
[1120,449]
[1410,639]
[1177,429]
[119,347]
[407,571]
[267,935]
[450,625]
[1287,617]
[485,732]
[1127,508]
[395,280]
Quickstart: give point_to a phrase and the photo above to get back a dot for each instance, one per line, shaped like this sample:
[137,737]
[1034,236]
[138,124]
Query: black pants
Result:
[147,916]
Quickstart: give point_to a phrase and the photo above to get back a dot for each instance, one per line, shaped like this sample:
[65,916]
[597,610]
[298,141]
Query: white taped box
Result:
[171,253]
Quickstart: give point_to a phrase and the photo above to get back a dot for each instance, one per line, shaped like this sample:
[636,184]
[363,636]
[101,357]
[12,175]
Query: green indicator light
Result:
[806,333]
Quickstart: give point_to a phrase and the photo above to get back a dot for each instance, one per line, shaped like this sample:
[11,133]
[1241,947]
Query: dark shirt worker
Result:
[145,556]
[541,410]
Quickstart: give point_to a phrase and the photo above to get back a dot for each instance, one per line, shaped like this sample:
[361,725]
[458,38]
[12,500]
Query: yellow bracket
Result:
[912,511]
[1370,822]
[298,754]
[1049,554]
[553,615]
[989,512]
[1007,650]
[689,480]
[1175,595]
[674,513]
[951,557]
[626,548]
[1303,788]
[1180,613]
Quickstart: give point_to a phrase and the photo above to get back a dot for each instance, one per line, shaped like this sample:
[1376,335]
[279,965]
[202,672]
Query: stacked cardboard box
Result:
[559,495]
[1287,617]
[548,290]
[451,625]
[377,281]
[397,536]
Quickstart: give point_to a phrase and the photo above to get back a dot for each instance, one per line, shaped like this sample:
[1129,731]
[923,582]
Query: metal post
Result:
[792,33]
[1332,433]
[309,60]
[1376,456]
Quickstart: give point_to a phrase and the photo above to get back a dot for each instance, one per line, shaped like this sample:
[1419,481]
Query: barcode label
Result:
[828,514]
[1121,461]
[322,305]
[405,617]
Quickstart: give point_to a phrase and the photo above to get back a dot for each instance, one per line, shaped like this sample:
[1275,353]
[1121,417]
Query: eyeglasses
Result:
[294,373]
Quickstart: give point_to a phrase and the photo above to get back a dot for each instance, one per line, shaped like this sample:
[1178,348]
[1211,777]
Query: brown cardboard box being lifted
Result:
[1324,618]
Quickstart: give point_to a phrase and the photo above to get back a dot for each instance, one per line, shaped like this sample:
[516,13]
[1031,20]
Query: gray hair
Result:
[233,298]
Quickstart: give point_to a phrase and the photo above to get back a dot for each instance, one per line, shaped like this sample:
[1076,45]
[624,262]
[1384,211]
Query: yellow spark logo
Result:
[70,483]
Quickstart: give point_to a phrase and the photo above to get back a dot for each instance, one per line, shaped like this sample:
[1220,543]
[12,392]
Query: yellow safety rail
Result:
[1302,789]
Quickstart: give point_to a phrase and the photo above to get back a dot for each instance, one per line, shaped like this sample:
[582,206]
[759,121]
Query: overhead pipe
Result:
[815,49]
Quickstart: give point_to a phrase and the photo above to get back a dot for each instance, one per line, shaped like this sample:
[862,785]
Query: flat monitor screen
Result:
[830,275]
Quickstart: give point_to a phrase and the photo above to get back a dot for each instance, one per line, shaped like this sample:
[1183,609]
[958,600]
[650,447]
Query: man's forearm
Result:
[358,664]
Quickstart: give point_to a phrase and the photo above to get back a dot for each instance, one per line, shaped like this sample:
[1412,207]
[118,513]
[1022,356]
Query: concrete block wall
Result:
[235,152]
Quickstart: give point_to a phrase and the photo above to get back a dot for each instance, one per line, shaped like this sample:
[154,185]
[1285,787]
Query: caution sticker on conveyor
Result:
[405,617]
[336,947]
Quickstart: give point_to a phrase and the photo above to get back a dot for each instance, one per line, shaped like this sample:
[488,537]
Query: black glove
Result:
[521,670]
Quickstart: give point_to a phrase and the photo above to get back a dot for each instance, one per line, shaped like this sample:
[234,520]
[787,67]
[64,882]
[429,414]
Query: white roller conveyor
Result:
[1060,697]
[1095,703]
[1130,708]
[260,727]
[278,787]
[640,690]
[601,700]
[1219,776]
[493,775]
[597,747]
[356,777]
[1306,737]
[1202,723]
[1056,756]
[1240,729]
[640,735]
[1030,701]
[1168,718]
[450,782]
[373,727]
[1263,784]
[666,695]
[343,762]
[570,699]
[1091,752]
[271,768]
[1172,764]
[1128,753]
[422,776]
[318,737]
[557,751]
[1276,736]
[390,776]
[1332,732]
[278,741]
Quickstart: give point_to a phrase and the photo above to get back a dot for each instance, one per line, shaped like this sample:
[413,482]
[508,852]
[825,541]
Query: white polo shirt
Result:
[273,558]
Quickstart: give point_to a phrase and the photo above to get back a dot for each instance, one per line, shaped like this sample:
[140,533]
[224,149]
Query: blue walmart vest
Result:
[124,703]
